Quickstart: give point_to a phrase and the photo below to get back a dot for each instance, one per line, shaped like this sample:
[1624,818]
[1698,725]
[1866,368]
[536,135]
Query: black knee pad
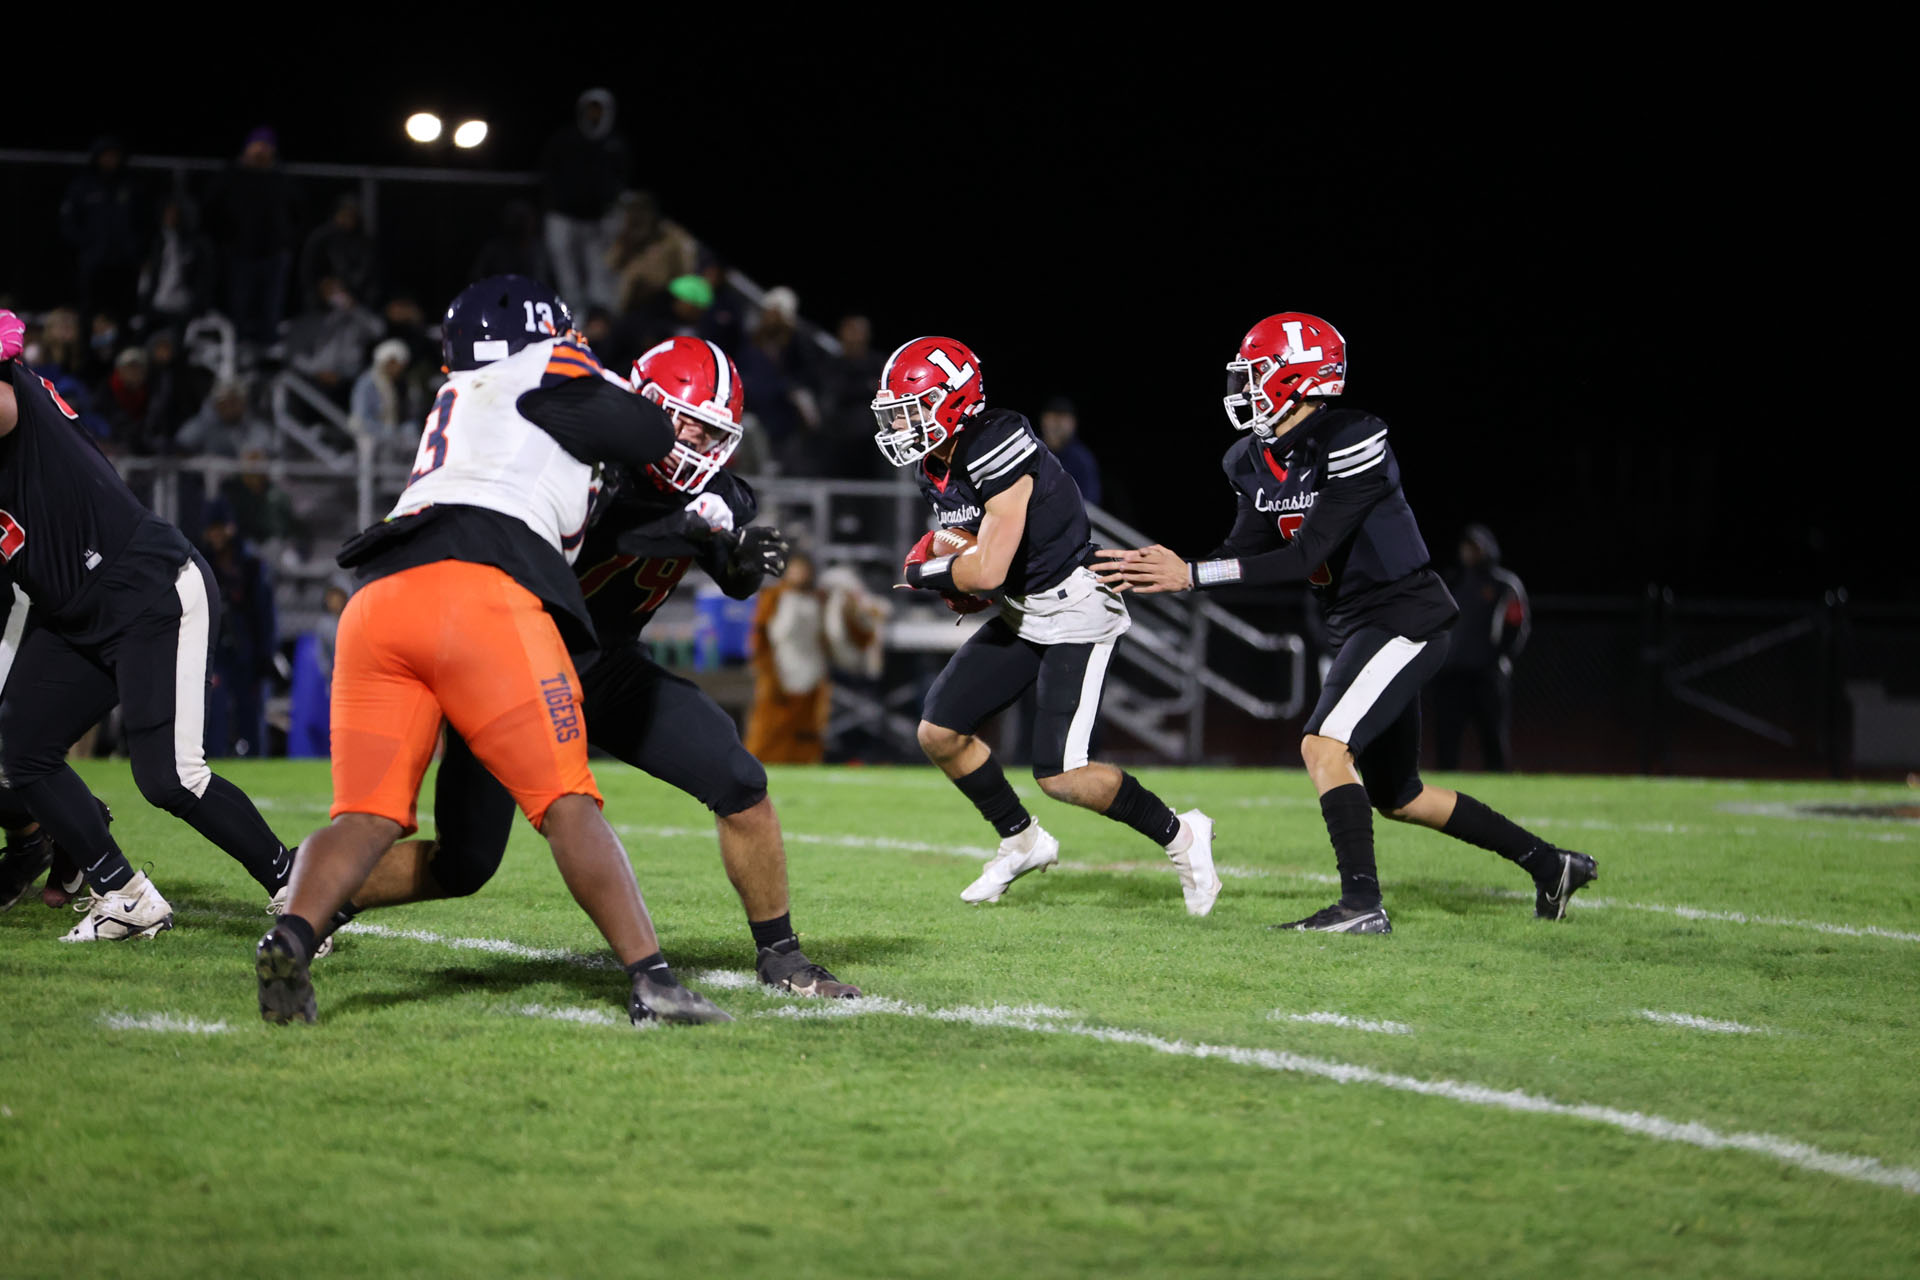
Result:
[13,809]
[1390,794]
[739,787]
[461,869]
[161,786]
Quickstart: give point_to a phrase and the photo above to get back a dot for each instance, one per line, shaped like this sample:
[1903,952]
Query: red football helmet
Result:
[928,390]
[1282,359]
[693,378]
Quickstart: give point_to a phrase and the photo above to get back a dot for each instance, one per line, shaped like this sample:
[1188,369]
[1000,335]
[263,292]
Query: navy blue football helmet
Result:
[495,317]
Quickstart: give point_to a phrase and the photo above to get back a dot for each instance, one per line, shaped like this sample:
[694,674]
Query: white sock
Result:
[1022,841]
[1182,839]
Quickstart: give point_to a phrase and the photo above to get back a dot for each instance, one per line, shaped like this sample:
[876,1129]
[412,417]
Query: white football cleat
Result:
[1031,850]
[1199,882]
[136,910]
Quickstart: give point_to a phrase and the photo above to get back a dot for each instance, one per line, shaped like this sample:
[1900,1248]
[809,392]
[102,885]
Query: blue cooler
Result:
[721,628]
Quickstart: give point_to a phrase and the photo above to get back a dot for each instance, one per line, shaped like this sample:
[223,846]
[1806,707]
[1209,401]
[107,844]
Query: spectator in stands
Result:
[519,249]
[407,322]
[777,366]
[341,249]
[379,406]
[329,344]
[107,219]
[249,634]
[847,383]
[584,166]
[1475,683]
[598,329]
[177,278]
[261,510]
[792,696]
[178,388]
[225,426]
[1060,432]
[252,213]
[648,253]
[128,400]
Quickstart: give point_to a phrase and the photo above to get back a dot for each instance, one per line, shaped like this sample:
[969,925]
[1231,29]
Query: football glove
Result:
[13,335]
[759,549]
[965,601]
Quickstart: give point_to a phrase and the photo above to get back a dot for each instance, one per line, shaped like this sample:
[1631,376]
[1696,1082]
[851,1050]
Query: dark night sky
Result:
[1571,294]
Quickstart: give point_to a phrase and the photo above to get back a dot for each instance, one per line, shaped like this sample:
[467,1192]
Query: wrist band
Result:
[1215,573]
[932,575]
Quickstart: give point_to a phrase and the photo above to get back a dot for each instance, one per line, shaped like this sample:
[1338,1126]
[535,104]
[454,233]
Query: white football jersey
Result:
[477,450]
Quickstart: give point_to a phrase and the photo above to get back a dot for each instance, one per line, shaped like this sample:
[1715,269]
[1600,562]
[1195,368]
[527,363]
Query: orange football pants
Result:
[468,642]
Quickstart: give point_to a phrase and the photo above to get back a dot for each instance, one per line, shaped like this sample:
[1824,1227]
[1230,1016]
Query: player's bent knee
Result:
[940,743]
[741,786]
[462,872]
[164,788]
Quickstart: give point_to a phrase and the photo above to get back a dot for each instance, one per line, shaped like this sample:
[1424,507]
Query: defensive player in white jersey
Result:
[466,611]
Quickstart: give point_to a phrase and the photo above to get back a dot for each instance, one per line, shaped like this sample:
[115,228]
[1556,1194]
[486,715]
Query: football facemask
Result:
[690,467]
[909,426]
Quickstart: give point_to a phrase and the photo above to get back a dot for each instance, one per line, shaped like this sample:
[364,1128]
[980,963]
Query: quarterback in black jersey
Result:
[648,528]
[986,473]
[123,610]
[1320,500]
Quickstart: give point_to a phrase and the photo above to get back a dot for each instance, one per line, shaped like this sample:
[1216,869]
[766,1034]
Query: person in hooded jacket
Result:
[1475,685]
[584,167]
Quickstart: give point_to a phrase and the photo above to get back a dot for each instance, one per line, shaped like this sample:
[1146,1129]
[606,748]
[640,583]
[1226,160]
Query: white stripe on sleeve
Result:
[1375,438]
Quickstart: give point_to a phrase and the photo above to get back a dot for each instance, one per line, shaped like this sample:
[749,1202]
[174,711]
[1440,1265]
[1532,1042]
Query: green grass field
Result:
[1080,1080]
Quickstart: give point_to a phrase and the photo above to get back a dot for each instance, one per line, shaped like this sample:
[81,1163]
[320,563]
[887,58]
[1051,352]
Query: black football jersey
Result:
[1329,509]
[624,591]
[996,448]
[72,534]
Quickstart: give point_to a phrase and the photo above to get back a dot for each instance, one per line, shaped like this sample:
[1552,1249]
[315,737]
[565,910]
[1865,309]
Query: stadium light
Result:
[470,134]
[423,126]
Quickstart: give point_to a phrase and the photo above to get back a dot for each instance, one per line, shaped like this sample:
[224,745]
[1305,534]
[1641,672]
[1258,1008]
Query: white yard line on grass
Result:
[1693,1023]
[493,946]
[567,1013]
[1584,902]
[1342,1020]
[160,1022]
[1786,1150]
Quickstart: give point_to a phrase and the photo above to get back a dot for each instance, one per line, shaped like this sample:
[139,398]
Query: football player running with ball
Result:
[1320,501]
[467,609]
[649,528]
[986,473]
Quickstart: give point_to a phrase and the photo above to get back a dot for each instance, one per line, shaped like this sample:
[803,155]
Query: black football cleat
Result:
[652,1001]
[1552,893]
[785,966]
[22,864]
[1341,918]
[286,989]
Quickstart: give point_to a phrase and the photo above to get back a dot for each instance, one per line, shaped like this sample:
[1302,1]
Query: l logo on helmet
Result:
[1297,352]
[955,377]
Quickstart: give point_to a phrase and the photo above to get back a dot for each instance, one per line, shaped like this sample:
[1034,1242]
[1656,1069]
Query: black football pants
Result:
[155,668]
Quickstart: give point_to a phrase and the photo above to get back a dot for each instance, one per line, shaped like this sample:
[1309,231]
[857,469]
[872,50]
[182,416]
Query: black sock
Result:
[77,823]
[768,932]
[1144,811]
[654,968]
[993,796]
[1479,825]
[1349,817]
[302,932]
[226,817]
[341,918]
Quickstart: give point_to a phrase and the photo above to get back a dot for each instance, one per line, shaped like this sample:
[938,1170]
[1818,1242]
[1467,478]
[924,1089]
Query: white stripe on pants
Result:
[190,682]
[1381,668]
[1080,731]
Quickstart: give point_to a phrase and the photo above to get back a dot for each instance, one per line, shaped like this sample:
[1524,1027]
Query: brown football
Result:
[952,541]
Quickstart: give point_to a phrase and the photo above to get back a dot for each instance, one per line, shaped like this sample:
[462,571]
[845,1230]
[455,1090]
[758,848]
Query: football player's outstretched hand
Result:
[762,550]
[13,335]
[1146,570]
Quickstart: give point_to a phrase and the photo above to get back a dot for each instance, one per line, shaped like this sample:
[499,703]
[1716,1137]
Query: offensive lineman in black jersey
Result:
[985,471]
[648,530]
[1320,500]
[125,611]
